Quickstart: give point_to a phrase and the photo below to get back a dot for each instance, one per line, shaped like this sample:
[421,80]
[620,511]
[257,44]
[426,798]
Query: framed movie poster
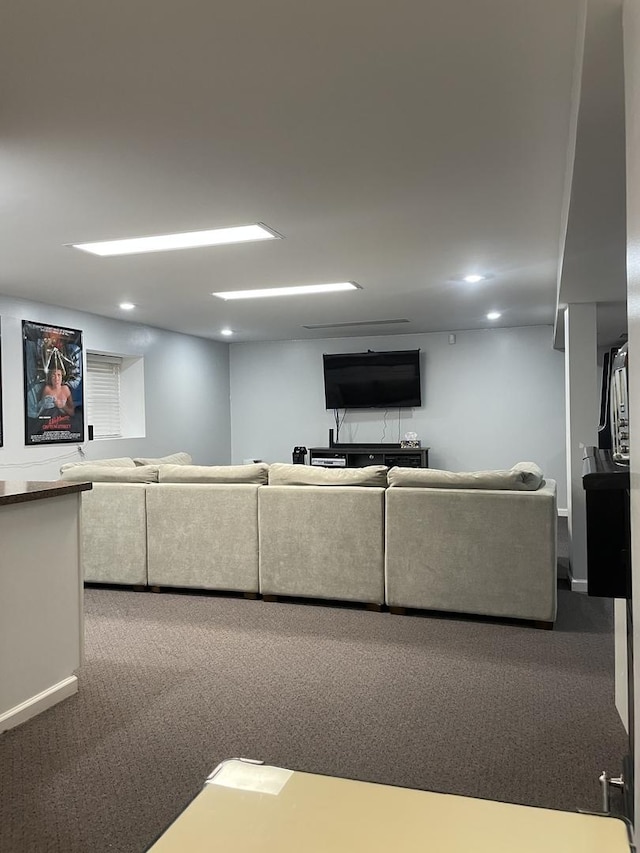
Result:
[53,394]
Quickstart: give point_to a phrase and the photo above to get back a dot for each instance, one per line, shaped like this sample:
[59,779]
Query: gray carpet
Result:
[173,684]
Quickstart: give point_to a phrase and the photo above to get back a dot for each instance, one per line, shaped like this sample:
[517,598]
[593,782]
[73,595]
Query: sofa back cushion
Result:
[282,474]
[120,462]
[180,458]
[107,474]
[515,479]
[256,473]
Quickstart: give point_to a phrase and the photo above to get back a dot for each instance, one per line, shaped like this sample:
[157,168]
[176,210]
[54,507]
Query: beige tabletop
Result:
[249,808]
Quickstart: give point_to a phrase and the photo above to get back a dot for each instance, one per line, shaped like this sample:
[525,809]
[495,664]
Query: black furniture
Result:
[606,485]
[359,455]
[607,491]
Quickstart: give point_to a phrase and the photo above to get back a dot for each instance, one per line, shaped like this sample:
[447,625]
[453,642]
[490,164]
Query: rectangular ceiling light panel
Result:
[188,240]
[298,290]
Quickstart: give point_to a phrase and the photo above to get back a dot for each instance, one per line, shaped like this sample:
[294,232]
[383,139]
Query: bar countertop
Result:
[601,471]
[20,491]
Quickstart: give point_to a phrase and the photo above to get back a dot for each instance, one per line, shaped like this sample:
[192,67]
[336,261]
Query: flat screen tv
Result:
[372,380]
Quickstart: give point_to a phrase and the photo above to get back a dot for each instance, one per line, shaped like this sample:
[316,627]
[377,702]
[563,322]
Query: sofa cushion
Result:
[211,541]
[113,533]
[106,474]
[256,473]
[120,462]
[282,474]
[531,473]
[489,552]
[322,543]
[180,458]
[433,478]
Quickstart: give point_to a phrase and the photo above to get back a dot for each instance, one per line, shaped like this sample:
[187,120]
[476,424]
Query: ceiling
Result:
[400,146]
[593,267]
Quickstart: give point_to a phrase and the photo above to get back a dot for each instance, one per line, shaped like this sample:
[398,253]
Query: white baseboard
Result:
[578,585]
[38,703]
[563,513]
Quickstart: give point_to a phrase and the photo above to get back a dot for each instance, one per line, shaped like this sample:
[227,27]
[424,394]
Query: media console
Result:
[359,455]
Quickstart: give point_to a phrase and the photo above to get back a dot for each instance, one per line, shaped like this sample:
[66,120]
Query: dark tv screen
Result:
[372,380]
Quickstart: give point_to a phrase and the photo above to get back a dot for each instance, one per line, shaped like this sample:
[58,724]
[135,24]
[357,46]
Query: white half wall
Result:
[493,398]
[186,382]
[582,414]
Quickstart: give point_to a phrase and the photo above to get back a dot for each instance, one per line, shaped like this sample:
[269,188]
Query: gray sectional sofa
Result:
[480,543]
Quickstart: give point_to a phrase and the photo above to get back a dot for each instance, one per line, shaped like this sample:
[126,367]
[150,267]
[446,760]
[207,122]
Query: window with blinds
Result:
[102,395]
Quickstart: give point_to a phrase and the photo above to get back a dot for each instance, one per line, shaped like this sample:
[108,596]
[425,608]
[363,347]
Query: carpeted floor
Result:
[174,683]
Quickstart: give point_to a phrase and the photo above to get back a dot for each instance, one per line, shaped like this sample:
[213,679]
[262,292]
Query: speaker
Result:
[299,455]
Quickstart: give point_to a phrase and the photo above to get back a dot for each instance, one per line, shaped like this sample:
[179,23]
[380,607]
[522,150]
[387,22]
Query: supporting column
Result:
[582,408]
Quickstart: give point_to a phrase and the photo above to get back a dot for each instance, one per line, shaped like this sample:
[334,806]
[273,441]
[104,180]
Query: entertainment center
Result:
[359,455]
[370,380]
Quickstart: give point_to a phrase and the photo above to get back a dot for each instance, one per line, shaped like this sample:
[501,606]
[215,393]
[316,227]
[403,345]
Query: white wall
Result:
[186,392]
[582,399]
[494,398]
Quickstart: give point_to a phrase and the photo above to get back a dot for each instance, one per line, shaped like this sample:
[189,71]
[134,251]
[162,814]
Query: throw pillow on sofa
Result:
[531,473]
[106,474]
[119,462]
[515,479]
[282,474]
[252,474]
[180,458]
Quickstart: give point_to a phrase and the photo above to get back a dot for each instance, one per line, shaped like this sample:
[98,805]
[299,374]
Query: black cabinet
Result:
[606,483]
[360,455]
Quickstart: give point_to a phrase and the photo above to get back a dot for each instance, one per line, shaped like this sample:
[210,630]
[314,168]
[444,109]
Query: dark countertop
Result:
[600,471]
[20,491]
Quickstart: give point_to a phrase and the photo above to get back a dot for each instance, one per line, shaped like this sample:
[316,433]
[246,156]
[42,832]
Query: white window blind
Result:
[102,392]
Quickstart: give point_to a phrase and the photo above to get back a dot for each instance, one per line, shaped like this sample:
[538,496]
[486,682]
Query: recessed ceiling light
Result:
[127,306]
[226,331]
[297,290]
[473,279]
[494,315]
[188,240]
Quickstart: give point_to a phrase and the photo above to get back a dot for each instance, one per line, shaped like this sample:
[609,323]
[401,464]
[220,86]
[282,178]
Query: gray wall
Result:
[186,392]
[494,398]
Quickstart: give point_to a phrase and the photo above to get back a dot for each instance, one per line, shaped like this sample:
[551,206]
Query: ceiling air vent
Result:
[354,323]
